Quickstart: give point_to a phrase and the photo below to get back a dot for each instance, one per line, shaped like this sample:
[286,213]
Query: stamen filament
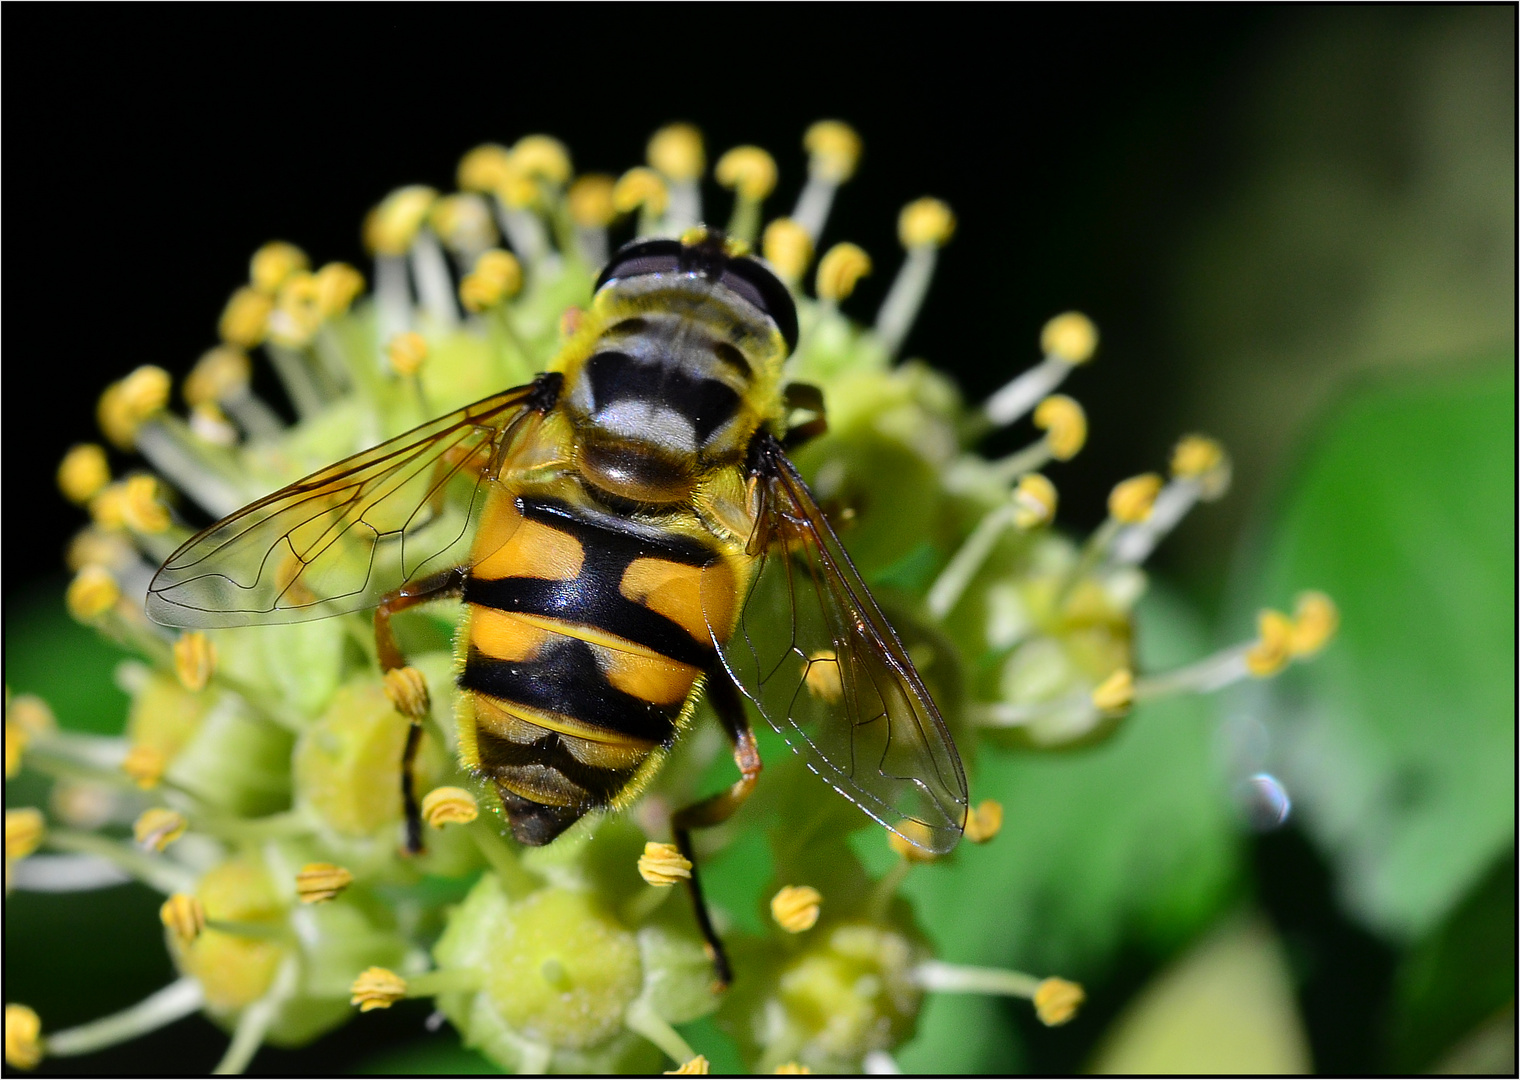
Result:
[956,576]
[1026,390]
[1034,456]
[174,1002]
[393,301]
[455,980]
[66,873]
[434,287]
[643,1020]
[155,872]
[1135,543]
[936,975]
[253,415]
[906,296]
[297,378]
[517,879]
[814,204]
[187,462]
[1201,677]
[254,1023]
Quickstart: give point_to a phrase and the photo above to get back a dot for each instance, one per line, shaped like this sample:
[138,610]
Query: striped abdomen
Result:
[586,639]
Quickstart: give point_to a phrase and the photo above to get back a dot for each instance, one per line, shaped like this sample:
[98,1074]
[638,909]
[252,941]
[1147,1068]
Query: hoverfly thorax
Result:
[678,367]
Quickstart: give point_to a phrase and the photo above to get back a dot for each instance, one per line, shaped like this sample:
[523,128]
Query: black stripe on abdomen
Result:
[592,601]
[601,785]
[566,679]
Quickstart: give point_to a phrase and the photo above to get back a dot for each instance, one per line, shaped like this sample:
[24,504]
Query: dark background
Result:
[1090,156]
[150,154]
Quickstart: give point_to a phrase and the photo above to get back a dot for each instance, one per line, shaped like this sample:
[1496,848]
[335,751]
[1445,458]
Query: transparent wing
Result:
[342,538]
[825,668]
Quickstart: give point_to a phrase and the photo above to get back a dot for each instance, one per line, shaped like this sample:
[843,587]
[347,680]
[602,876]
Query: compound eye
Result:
[642,257]
[765,291]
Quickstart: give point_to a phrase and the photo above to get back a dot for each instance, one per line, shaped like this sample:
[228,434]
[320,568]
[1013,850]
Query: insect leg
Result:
[718,808]
[807,398]
[437,586]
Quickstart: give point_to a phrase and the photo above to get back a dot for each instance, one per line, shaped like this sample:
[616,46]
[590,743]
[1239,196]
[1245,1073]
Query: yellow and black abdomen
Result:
[583,651]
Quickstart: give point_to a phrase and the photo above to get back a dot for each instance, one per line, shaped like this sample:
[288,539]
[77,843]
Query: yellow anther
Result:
[108,508]
[697,1066]
[788,247]
[28,717]
[984,821]
[1115,693]
[406,353]
[590,200]
[338,285]
[822,676]
[795,908]
[1070,336]
[92,593]
[273,263]
[1131,500]
[98,546]
[184,916]
[748,170]
[1064,424]
[833,150]
[1195,455]
[497,276]
[676,151]
[408,691]
[23,1037]
[485,168]
[297,314]
[83,472]
[245,319]
[194,660]
[145,765]
[663,864]
[1056,1001]
[1034,501]
[24,830]
[126,404]
[791,1068]
[1315,620]
[31,715]
[911,841]
[1274,644]
[543,158]
[219,374]
[840,268]
[925,223]
[141,509]
[157,827]
[449,806]
[463,222]
[377,988]
[640,187]
[319,882]
[390,227]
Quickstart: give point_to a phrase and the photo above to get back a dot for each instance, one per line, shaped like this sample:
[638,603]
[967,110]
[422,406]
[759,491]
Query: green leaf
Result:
[1459,976]
[1227,1007]
[80,692]
[1398,743]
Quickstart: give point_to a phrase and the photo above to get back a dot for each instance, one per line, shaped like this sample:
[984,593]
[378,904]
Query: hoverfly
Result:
[633,536]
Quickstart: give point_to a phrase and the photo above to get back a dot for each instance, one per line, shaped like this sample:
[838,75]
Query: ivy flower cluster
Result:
[254,784]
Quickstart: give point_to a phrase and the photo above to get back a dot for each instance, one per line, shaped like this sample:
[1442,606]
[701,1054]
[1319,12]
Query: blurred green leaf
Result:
[1226,1007]
[1459,976]
[1398,744]
[80,691]
[1131,841]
